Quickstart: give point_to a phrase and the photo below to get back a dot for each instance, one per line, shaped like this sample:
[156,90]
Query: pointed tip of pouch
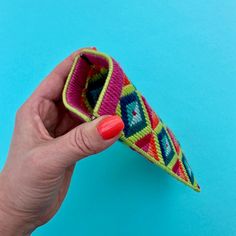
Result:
[197,188]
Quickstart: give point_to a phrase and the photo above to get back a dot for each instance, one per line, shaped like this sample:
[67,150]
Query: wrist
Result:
[9,226]
[11,222]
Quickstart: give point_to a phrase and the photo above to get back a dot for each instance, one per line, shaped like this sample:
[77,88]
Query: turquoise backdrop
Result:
[182,56]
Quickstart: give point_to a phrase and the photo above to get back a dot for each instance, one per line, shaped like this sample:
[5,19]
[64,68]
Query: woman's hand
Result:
[46,144]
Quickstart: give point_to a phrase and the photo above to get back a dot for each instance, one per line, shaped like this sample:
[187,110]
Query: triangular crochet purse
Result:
[96,85]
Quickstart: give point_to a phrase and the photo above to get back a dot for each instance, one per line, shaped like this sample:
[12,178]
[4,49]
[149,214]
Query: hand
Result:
[46,144]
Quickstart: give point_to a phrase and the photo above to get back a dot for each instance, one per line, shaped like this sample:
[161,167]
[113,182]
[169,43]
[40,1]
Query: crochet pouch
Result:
[96,86]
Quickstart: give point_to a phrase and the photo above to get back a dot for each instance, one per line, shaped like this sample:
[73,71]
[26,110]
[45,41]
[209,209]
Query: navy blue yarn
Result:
[130,130]
[167,158]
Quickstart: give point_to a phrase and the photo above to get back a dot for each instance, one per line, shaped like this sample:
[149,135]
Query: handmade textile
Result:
[96,86]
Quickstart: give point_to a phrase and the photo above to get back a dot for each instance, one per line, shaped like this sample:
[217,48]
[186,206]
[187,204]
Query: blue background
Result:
[182,56]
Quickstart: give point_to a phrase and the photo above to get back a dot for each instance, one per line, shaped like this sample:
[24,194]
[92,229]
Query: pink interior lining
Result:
[78,81]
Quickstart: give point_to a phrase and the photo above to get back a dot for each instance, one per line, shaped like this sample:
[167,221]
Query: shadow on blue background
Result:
[182,56]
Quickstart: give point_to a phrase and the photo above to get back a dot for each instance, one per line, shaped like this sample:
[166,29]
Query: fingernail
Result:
[110,127]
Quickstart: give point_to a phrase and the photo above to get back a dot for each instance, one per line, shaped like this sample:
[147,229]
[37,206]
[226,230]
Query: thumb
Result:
[86,139]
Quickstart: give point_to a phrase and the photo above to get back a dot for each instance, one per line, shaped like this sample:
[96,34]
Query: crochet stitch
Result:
[96,85]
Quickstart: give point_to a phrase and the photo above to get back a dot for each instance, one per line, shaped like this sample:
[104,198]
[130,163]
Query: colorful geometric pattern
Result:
[179,170]
[148,145]
[166,146]
[188,169]
[132,114]
[144,131]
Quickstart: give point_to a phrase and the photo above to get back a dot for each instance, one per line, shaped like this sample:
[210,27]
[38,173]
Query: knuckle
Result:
[82,142]
[25,110]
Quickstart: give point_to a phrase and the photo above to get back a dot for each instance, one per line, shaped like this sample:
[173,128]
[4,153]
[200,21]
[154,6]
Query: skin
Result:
[46,144]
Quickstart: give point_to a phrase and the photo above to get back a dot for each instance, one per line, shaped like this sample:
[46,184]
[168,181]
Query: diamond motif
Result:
[166,148]
[188,169]
[132,114]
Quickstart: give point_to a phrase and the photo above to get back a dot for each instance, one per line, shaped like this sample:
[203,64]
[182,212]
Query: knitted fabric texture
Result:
[96,85]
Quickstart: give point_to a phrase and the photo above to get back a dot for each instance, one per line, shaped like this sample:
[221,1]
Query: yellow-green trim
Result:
[64,97]
[100,98]
[103,91]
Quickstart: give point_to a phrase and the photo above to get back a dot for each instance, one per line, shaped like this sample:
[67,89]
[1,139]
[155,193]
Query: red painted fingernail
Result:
[110,127]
